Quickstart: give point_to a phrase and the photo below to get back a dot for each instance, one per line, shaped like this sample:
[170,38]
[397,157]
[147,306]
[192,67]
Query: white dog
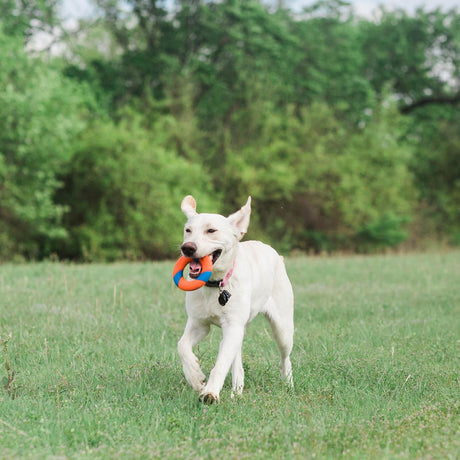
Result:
[247,278]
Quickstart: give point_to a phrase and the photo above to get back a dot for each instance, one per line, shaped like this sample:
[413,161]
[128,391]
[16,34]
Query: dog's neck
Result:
[223,273]
[222,282]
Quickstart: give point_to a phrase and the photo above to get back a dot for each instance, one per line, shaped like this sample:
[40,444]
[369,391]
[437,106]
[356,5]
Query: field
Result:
[89,367]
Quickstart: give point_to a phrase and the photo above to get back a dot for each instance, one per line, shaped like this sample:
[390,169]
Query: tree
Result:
[40,117]
[418,55]
[331,67]
[436,168]
[22,18]
[156,99]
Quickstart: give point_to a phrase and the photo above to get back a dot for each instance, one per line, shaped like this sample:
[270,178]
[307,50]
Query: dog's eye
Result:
[188,230]
[212,230]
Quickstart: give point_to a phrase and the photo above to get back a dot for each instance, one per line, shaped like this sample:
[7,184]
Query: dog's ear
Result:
[240,219]
[188,206]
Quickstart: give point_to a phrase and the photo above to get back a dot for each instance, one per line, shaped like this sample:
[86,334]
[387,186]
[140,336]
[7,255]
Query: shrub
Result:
[437,170]
[376,194]
[124,190]
[320,186]
[40,117]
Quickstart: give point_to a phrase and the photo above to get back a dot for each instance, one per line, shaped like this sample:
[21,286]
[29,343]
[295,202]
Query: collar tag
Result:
[224,297]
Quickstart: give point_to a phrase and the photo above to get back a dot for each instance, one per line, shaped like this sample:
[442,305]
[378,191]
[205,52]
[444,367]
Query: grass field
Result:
[94,373]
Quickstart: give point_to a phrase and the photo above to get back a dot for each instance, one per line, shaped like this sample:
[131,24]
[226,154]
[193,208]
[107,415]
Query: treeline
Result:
[344,130]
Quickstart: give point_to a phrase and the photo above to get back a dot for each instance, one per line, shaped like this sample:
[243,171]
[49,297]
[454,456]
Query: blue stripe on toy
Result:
[178,276]
[205,276]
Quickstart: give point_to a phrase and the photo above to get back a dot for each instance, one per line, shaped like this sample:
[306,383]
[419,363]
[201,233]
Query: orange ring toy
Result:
[192,285]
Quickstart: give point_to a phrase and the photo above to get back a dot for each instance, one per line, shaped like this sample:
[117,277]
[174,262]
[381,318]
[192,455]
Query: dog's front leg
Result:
[229,349]
[237,375]
[194,332]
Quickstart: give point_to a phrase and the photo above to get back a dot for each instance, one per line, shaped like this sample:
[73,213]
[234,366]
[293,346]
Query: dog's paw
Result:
[209,398]
[198,385]
[235,394]
[195,378]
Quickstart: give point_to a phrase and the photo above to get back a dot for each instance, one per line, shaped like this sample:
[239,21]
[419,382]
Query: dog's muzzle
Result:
[188,249]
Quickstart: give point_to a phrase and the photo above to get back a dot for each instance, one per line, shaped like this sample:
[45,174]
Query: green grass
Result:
[94,371]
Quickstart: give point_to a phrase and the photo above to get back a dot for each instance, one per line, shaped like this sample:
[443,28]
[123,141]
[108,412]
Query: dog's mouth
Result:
[195,265]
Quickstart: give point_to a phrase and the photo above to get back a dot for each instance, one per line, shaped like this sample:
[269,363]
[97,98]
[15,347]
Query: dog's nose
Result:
[188,249]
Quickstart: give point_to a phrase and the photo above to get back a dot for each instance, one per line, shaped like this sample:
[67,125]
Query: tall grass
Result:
[93,370]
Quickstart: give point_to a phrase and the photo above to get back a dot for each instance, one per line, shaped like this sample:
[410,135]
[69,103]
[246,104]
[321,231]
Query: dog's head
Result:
[214,235]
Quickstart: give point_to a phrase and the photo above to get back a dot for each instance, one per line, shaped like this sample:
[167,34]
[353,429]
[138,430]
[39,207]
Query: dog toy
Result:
[201,280]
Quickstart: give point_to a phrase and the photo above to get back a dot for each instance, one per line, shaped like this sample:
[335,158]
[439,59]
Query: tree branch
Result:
[449,100]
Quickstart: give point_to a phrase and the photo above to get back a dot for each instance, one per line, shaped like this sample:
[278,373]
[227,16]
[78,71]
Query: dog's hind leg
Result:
[280,314]
[194,333]
[283,331]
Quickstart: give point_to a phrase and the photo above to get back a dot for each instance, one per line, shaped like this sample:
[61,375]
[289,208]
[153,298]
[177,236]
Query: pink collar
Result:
[221,283]
[227,276]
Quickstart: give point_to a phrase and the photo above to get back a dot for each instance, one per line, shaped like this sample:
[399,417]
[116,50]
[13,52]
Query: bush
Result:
[123,192]
[317,185]
[376,195]
[437,170]
[40,117]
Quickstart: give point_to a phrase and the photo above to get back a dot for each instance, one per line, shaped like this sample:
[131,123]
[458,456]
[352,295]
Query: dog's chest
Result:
[204,305]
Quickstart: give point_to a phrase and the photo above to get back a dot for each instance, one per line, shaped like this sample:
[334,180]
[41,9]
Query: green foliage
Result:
[240,42]
[437,172]
[330,188]
[412,53]
[23,19]
[39,115]
[376,194]
[226,99]
[123,191]
[289,167]
[330,64]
